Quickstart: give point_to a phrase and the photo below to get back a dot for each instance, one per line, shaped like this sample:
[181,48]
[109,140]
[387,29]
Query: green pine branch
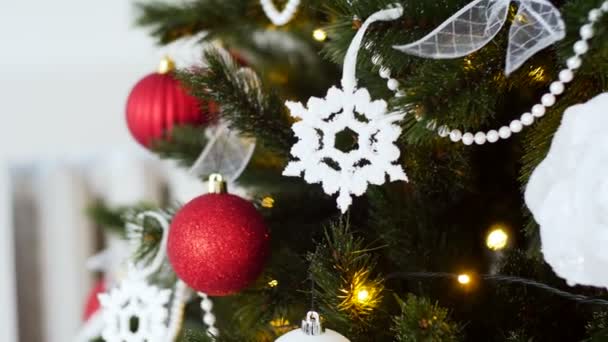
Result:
[423,320]
[342,266]
[244,103]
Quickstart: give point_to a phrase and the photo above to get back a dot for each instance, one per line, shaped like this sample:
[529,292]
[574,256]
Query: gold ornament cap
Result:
[217,184]
[311,325]
[166,65]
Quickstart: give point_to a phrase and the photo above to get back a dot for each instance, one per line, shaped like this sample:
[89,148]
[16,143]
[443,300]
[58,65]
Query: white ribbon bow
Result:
[537,25]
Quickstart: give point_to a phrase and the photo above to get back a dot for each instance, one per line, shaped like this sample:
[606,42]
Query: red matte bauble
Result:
[218,244]
[157,103]
[92,305]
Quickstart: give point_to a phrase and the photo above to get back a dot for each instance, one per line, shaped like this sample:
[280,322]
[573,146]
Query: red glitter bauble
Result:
[218,244]
[92,305]
[158,102]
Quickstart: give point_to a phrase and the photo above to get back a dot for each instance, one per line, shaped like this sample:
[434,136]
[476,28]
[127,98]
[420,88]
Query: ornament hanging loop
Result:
[349,77]
[311,325]
[157,262]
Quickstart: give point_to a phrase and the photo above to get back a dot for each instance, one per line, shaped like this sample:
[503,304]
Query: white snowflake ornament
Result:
[135,312]
[344,110]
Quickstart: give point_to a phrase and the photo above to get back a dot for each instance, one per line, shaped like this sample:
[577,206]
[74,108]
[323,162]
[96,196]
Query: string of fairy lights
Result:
[365,297]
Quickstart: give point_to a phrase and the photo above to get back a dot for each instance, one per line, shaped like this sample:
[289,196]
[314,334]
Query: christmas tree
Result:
[431,239]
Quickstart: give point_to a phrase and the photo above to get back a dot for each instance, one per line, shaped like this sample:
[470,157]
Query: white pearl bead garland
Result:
[480,138]
[208,316]
[580,48]
[527,119]
[492,136]
[455,135]
[557,88]
[467,138]
[548,100]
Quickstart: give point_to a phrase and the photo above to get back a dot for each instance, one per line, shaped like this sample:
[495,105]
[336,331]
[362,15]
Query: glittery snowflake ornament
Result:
[135,312]
[347,110]
[138,311]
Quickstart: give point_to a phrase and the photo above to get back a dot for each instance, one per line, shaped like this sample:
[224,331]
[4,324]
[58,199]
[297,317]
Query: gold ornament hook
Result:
[166,65]
[217,184]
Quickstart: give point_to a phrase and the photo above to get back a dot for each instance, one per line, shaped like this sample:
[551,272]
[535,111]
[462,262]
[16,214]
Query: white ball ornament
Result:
[312,331]
[568,196]
[605,6]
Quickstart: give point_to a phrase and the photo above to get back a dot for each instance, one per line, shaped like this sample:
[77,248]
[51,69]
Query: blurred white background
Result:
[66,68]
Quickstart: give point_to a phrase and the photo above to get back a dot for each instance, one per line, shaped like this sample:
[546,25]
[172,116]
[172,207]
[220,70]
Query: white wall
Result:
[66,67]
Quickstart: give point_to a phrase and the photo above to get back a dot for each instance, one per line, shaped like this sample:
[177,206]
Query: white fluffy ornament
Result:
[312,331]
[568,196]
[349,108]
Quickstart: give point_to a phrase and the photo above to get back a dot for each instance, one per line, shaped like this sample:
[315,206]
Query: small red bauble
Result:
[218,244]
[92,305]
[158,102]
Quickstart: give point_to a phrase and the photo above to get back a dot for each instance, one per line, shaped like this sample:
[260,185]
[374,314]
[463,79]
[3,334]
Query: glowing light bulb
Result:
[362,296]
[268,202]
[273,283]
[497,239]
[464,279]
[319,35]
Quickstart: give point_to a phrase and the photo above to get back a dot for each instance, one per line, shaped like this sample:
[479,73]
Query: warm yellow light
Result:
[464,279]
[319,35]
[273,283]
[360,295]
[468,64]
[538,74]
[268,202]
[279,322]
[497,239]
[363,296]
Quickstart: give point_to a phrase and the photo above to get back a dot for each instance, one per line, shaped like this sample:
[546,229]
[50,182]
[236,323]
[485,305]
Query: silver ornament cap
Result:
[312,330]
[311,325]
